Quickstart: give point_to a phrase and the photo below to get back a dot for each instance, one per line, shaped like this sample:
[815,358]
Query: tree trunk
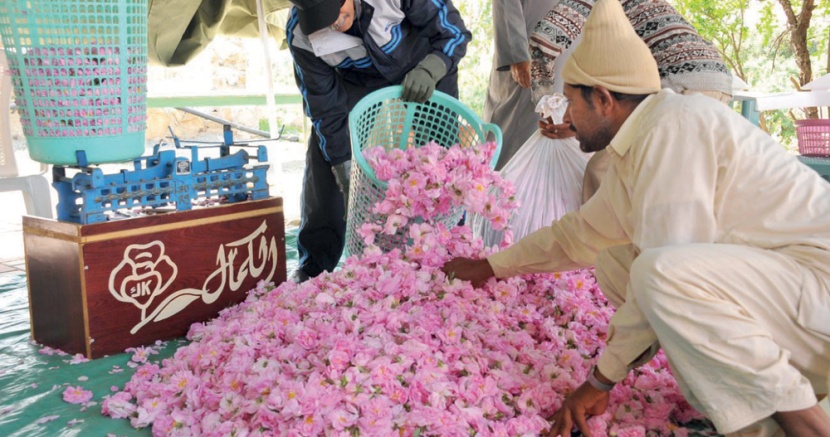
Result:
[798,26]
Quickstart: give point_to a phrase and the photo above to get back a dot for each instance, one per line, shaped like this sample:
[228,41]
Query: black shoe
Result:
[298,276]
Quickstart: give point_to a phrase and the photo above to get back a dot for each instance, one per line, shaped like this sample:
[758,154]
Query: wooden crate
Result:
[98,289]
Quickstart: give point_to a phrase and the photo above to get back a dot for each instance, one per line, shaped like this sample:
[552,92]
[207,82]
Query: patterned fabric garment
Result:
[685,60]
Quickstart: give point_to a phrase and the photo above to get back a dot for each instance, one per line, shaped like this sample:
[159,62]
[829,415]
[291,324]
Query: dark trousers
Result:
[322,233]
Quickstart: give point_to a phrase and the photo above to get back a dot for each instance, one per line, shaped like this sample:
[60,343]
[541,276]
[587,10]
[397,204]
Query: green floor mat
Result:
[32,383]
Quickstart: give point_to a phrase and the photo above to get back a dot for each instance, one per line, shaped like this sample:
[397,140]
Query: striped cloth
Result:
[686,61]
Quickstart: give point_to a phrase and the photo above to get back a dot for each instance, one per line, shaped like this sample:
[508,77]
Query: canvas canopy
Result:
[178,30]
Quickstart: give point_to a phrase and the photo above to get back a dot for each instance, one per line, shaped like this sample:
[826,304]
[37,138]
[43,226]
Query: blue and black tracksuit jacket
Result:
[392,37]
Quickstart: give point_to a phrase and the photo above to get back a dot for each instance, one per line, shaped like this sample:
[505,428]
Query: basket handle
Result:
[492,128]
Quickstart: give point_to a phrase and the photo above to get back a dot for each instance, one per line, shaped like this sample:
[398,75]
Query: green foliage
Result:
[819,37]
[474,71]
[722,23]
[752,37]
[767,24]
[768,69]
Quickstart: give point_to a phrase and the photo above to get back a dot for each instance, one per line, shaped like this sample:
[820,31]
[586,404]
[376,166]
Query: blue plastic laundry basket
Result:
[79,70]
[383,119]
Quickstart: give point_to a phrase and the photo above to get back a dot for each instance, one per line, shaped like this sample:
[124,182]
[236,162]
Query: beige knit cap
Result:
[611,54]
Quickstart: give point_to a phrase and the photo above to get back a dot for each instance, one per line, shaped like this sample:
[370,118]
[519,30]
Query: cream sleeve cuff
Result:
[500,262]
[611,367]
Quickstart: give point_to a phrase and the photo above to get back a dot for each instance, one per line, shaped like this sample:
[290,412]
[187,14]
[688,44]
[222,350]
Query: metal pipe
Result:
[223,121]
[275,170]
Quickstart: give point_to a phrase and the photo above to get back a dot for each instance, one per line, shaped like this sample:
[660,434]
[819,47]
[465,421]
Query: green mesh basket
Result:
[79,70]
[383,119]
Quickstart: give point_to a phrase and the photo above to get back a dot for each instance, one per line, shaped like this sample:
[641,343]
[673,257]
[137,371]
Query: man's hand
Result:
[586,400]
[555,131]
[419,83]
[521,73]
[476,271]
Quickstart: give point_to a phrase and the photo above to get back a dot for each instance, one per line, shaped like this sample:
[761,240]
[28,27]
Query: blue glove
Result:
[419,83]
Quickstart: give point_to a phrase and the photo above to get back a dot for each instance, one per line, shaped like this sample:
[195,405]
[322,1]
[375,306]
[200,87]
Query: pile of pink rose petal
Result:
[388,345]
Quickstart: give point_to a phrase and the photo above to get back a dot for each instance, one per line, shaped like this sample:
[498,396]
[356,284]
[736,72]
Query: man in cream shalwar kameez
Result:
[723,255]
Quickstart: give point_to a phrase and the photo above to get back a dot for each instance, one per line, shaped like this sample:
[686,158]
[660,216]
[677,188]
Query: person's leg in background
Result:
[510,107]
[321,235]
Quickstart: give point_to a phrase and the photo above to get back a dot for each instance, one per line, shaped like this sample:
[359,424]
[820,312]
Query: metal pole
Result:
[274,157]
[222,121]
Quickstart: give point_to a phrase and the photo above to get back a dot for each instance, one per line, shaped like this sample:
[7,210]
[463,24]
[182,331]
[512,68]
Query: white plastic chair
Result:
[35,188]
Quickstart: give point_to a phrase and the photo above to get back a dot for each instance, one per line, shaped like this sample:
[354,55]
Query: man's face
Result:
[592,128]
[346,18]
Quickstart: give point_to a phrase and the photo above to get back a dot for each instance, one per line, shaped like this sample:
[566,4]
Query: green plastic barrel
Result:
[79,70]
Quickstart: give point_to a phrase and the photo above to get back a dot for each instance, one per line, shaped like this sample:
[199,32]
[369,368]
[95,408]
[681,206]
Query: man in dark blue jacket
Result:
[343,50]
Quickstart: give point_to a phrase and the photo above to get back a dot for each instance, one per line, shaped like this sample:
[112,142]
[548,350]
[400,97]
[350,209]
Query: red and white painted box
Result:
[101,288]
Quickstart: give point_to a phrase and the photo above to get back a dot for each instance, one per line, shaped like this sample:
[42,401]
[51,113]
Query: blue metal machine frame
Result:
[161,180]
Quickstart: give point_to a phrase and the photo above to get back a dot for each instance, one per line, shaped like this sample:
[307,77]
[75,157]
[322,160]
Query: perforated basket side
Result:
[79,70]
[383,119]
[363,195]
[813,137]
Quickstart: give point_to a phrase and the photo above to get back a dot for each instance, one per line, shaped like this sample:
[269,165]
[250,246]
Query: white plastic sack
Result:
[547,174]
